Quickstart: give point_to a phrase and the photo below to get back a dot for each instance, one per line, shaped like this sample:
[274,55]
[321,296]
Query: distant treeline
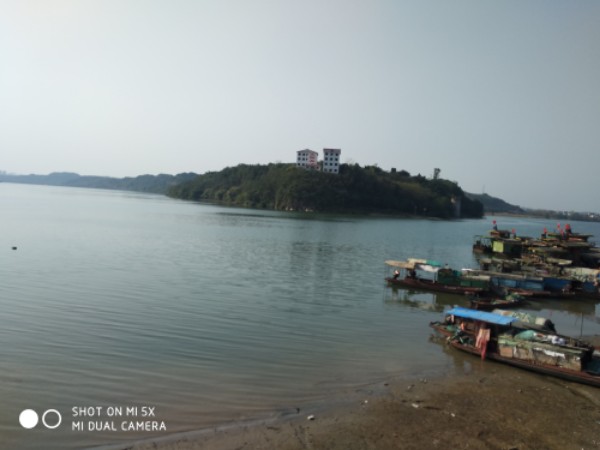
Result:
[354,190]
[562,215]
[157,184]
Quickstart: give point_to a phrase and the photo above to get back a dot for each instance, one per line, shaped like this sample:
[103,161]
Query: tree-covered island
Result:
[355,189]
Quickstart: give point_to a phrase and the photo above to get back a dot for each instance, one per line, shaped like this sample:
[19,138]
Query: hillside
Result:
[353,190]
[494,205]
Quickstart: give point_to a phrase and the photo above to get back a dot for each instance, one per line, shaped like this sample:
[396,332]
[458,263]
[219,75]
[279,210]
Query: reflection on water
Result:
[574,306]
[430,301]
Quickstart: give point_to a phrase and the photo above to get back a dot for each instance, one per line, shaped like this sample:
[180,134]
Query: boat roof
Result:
[522,317]
[412,263]
[400,264]
[481,315]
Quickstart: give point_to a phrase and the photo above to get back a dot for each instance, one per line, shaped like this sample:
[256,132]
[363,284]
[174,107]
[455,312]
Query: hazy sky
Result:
[502,96]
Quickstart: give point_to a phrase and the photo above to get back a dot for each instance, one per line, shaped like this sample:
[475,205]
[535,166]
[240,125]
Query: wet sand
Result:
[491,407]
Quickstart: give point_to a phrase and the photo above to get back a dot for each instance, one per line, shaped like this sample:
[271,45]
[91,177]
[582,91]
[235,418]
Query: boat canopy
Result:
[414,263]
[400,264]
[481,315]
[526,320]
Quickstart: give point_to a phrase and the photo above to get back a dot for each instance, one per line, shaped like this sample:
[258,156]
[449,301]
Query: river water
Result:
[119,304]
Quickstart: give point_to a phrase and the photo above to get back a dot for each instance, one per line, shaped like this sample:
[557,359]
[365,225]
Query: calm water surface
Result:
[210,314]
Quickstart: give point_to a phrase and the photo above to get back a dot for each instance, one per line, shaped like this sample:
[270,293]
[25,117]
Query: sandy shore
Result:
[491,407]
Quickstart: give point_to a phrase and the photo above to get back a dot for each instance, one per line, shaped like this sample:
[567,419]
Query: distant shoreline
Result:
[160,184]
[563,217]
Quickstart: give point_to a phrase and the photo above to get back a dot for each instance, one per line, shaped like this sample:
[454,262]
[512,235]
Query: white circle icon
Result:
[28,418]
[58,420]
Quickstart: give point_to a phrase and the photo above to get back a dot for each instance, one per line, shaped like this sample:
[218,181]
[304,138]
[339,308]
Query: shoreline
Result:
[489,406]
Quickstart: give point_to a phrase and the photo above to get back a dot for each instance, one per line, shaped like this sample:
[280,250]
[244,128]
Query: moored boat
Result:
[528,285]
[509,340]
[564,243]
[432,276]
[566,262]
[490,303]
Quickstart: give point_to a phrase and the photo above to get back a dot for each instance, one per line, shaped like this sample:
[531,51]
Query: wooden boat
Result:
[560,244]
[534,293]
[506,339]
[431,276]
[490,303]
[432,285]
[584,281]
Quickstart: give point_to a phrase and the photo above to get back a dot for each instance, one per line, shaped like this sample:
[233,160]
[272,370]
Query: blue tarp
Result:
[481,315]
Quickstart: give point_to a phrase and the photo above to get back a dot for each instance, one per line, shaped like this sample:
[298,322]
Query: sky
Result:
[502,96]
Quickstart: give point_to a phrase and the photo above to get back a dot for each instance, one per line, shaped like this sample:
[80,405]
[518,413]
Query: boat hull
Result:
[427,285]
[484,305]
[554,371]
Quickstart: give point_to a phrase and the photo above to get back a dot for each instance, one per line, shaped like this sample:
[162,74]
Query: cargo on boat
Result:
[433,276]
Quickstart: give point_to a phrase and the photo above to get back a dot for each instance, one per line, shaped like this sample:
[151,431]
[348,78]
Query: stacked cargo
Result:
[541,349]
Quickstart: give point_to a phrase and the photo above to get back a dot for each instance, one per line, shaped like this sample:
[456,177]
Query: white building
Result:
[331,160]
[308,159]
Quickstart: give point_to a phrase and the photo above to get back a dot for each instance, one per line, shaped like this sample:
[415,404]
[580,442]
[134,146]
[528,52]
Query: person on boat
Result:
[568,229]
[495,226]
[483,337]
[396,274]
[412,273]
